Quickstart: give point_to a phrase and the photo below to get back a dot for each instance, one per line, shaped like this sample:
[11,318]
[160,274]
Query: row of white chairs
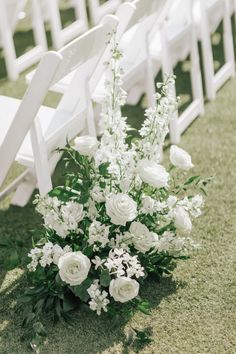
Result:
[153,36]
[41,12]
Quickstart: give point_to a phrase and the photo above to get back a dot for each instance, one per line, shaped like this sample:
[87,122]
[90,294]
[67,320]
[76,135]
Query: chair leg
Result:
[24,191]
[196,77]
[228,38]
[8,44]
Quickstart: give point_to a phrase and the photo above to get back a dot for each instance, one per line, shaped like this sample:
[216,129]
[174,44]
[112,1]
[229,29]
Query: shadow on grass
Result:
[89,332]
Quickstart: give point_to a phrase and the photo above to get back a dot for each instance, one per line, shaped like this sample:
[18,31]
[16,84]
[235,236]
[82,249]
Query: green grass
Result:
[192,312]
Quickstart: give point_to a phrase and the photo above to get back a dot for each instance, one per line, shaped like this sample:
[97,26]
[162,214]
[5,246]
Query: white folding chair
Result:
[173,42]
[98,10]
[60,35]
[134,45]
[61,86]
[9,17]
[50,128]
[208,14]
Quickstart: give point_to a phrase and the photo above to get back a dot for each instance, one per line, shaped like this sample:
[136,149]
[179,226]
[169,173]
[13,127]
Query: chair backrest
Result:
[27,110]
[83,52]
[177,16]
[98,10]
[146,15]
[60,35]
[14,9]
[9,17]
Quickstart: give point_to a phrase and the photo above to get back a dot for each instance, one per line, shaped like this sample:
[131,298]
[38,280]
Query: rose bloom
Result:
[123,289]
[74,267]
[86,145]
[142,239]
[152,173]
[72,213]
[182,219]
[121,208]
[180,158]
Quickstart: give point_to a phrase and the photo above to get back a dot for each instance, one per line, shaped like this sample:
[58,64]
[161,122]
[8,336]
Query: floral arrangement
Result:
[120,217]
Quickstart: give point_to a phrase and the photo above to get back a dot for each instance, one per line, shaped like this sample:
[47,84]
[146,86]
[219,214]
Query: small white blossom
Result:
[121,263]
[98,235]
[99,300]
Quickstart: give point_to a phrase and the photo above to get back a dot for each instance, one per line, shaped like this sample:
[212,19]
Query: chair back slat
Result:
[27,110]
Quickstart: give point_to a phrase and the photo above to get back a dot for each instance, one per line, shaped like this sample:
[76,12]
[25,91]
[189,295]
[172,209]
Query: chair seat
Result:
[9,107]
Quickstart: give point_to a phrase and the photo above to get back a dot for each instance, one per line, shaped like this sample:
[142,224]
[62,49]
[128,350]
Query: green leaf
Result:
[105,278]
[39,329]
[191,180]
[144,307]
[103,168]
[12,261]
[68,304]
[81,290]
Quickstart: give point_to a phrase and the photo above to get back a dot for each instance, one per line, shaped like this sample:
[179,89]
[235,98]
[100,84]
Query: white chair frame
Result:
[16,65]
[214,80]
[61,36]
[184,34]
[71,117]
[97,10]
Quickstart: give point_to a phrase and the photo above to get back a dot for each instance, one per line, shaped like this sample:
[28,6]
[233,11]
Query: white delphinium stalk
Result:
[156,124]
[113,147]
[99,300]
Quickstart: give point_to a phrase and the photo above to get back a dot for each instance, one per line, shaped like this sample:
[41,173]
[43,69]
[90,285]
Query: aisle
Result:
[194,312]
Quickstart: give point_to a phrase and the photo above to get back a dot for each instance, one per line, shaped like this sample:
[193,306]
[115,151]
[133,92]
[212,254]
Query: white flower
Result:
[99,299]
[182,219]
[72,213]
[121,208]
[180,158]
[98,233]
[171,201]
[142,239]
[123,289]
[86,145]
[152,173]
[148,205]
[74,267]
[121,263]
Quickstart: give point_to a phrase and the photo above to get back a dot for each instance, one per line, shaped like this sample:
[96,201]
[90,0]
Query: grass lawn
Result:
[192,312]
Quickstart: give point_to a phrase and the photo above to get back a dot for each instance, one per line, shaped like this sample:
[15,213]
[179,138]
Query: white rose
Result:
[72,213]
[121,208]
[182,219]
[123,289]
[142,239]
[180,158]
[74,267]
[86,145]
[152,173]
